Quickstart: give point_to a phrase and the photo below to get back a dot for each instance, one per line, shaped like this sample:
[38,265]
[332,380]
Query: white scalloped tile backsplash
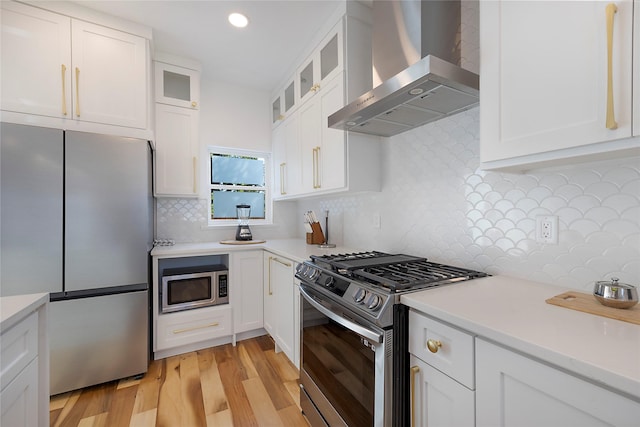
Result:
[437,203]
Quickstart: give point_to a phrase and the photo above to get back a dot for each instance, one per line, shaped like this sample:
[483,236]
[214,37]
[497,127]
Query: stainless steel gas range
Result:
[354,358]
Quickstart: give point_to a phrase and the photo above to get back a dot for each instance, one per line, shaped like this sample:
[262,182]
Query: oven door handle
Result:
[352,326]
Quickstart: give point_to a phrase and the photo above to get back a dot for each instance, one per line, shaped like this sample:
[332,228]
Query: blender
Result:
[243,232]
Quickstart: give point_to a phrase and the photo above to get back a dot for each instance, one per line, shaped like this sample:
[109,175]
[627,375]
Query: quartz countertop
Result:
[295,249]
[15,308]
[513,312]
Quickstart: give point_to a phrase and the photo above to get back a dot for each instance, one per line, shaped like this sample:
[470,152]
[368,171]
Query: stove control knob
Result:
[359,295]
[373,302]
[328,282]
[312,273]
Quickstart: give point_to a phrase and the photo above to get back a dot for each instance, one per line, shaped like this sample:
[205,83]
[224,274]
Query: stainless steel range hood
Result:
[416,57]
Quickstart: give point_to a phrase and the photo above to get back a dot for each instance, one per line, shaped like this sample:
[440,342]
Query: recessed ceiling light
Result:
[238,20]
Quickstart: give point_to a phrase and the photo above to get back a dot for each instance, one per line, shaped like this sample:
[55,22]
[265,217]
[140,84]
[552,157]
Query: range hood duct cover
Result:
[416,70]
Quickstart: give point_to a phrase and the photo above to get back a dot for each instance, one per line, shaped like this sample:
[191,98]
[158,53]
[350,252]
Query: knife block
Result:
[316,237]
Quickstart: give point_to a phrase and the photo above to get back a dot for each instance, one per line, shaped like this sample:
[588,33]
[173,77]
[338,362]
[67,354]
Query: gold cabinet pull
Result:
[282,169]
[315,156]
[64,90]
[611,9]
[414,372]
[194,104]
[195,174]
[433,345]
[195,328]
[77,92]
[286,264]
[316,168]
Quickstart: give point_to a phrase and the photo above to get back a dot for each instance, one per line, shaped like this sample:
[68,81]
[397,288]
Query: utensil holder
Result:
[317,237]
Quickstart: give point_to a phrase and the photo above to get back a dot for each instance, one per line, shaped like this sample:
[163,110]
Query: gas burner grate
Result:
[346,263]
[414,275]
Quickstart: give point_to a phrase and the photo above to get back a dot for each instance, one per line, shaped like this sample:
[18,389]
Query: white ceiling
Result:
[257,56]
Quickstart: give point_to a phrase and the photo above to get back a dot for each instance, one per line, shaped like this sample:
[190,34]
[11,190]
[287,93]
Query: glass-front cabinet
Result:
[323,65]
[284,102]
[178,86]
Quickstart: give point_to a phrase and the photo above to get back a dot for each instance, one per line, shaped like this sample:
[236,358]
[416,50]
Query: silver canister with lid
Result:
[612,293]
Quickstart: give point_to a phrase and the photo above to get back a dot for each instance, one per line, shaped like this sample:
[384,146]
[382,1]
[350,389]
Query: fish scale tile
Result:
[436,202]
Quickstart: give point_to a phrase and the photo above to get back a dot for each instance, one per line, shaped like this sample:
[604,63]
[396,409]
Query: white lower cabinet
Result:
[24,368]
[19,398]
[245,268]
[188,327]
[515,390]
[442,373]
[438,400]
[279,305]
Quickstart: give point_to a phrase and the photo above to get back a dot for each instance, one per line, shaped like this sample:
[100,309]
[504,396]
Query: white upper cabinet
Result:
[177,86]
[323,149]
[176,151]
[286,158]
[284,102]
[311,158]
[555,76]
[177,93]
[71,70]
[36,61]
[109,76]
[324,64]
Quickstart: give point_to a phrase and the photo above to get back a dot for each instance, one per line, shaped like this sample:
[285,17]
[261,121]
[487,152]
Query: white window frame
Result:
[268,204]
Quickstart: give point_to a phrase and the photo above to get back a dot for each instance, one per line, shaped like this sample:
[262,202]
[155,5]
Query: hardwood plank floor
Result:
[246,385]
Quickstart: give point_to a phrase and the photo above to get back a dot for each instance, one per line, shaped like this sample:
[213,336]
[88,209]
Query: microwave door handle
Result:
[358,329]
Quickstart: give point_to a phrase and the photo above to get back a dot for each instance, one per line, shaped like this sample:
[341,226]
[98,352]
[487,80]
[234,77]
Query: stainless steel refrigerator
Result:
[76,221]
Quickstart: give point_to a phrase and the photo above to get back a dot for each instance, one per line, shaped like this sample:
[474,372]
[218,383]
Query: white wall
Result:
[234,116]
[230,116]
[436,203]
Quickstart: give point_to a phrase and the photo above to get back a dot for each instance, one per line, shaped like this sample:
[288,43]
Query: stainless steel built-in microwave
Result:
[194,287]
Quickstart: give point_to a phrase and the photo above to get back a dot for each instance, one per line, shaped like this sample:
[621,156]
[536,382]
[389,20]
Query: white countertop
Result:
[513,312]
[294,249]
[15,308]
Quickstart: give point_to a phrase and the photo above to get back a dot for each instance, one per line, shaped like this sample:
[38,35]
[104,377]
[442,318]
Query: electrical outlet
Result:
[547,229]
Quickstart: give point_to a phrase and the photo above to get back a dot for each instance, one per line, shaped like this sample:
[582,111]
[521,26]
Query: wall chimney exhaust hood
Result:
[416,57]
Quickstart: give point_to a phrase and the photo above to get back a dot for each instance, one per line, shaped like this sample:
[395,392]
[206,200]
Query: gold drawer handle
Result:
[194,104]
[433,345]
[414,372]
[195,328]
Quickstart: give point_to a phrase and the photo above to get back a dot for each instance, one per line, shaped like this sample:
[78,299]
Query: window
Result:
[238,177]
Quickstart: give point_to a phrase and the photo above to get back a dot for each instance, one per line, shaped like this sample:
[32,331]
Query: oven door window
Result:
[341,364]
[183,291]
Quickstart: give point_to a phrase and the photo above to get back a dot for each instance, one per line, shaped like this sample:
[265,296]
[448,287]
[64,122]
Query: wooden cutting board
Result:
[589,304]
[241,242]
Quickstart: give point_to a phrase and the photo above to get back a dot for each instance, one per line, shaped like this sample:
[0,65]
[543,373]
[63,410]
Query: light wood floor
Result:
[246,385]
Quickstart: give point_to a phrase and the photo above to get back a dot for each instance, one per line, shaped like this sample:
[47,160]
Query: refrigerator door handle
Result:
[97,292]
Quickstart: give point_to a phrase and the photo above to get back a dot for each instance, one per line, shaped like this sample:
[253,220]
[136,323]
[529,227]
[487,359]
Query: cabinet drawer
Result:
[188,327]
[454,349]
[19,347]
[20,399]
